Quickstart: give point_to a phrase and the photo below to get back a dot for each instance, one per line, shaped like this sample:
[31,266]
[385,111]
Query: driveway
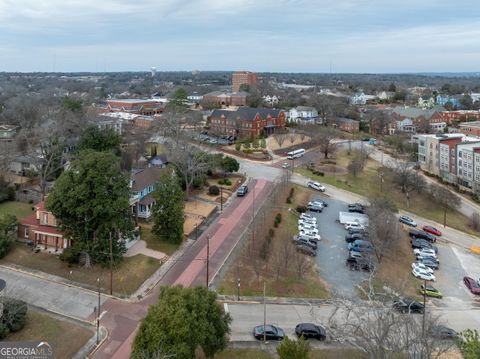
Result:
[332,250]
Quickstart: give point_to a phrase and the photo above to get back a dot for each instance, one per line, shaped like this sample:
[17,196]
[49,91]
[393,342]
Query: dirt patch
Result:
[273,145]
[329,168]
[196,212]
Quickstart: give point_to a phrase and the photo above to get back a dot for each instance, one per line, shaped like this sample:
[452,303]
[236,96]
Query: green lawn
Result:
[65,337]
[19,209]
[369,184]
[127,276]
[155,242]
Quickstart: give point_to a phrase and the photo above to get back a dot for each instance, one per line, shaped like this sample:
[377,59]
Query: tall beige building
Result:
[243,78]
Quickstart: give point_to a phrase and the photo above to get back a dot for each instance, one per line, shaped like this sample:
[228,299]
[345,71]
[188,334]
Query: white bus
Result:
[295,154]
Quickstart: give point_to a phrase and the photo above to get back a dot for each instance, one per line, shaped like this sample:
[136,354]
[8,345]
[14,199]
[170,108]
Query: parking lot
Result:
[332,250]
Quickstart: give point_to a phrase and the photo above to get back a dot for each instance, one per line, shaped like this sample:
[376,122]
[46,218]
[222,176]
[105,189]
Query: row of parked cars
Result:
[359,247]
[307,238]
[213,139]
[305,330]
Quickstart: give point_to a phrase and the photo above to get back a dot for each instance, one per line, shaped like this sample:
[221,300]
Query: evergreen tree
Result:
[100,140]
[168,211]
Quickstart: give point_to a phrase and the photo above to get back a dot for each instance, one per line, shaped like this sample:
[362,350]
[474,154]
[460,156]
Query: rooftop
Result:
[470,124]
[246,113]
[146,177]
[130,100]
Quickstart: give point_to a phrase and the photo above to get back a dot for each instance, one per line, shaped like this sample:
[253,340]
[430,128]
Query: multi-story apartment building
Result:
[240,78]
[468,174]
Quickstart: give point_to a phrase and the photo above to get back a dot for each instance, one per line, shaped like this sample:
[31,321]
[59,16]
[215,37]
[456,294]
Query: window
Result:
[45,218]
[27,232]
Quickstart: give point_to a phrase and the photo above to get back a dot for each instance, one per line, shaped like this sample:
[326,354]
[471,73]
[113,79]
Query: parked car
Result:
[320,202]
[429,262]
[359,263]
[425,251]
[421,266]
[285,165]
[352,237]
[309,330]
[356,230]
[308,216]
[407,220]
[408,306]
[307,222]
[418,243]
[355,254]
[314,207]
[242,191]
[430,291]
[307,227]
[309,251]
[424,257]
[310,235]
[301,240]
[356,209]
[360,246]
[317,186]
[272,332]
[442,332]
[415,233]
[423,274]
[349,225]
[432,230]
[472,285]
[352,205]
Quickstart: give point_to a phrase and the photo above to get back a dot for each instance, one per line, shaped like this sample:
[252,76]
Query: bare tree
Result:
[301,264]
[378,121]
[292,136]
[280,138]
[288,252]
[189,161]
[407,179]
[446,198]
[324,137]
[357,163]
[383,226]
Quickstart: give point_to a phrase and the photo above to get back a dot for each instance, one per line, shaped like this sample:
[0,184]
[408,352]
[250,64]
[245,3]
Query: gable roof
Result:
[414,112]
[246,113]
[146,177]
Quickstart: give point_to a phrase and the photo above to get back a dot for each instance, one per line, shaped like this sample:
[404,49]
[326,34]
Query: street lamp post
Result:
[238,289]
[98,312]
[221,199]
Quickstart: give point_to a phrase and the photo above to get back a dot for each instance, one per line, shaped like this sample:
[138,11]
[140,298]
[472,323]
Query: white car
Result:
[307,220]
[424,252]
[422,274]
[310,229]
[317,186]
[313,236]
[349,225]
[422,267]
[285,165]
[303,225]
[308,216]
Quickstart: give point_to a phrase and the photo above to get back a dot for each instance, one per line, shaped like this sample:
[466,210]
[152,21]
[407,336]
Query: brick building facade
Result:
[219,98]
[246,121]
[240,78]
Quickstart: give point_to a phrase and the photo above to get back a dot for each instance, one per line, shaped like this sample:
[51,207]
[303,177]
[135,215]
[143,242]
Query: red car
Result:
[472,285]
[432,230]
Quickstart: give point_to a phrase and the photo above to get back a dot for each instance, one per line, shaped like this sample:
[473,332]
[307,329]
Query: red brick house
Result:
[470,128]
[220,98]
[347,124]
[246,121]
[41,228]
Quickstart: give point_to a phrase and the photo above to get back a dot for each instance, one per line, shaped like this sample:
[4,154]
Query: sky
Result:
[374,36]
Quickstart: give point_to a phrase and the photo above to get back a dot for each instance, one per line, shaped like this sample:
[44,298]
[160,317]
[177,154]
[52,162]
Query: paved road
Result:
[246,316]
[69,301]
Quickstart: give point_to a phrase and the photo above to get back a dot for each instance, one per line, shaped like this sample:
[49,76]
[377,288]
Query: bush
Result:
[5,245]
[238,146]
[263,143]
[289,200]
[301,209]
[221,181]
[70,255]
[248,151]
[14,314]
[271,233]
[228,182]
[214,190]
[278,219]
[3,331]
[199,181]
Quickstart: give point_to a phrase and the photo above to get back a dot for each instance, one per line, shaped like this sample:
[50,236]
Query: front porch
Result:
[50,242]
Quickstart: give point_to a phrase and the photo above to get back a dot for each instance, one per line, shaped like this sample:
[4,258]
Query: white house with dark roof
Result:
[143,183]
[302,114]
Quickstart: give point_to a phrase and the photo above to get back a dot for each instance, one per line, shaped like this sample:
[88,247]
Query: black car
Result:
[309,251]
[315,208]
[442,332]
[416,233]
[352,205]
[408,306]
[422,243]
[359,263]
[272,332]
[355,230]
[430,262]
[352,237]
[309,330]
[242,191]
[356,209]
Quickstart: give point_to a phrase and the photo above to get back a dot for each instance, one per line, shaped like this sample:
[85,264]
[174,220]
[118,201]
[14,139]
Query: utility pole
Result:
[98,312]
[264,314]
[253,216]
[424,307]
[221,199]
[208,256]
[111,264]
